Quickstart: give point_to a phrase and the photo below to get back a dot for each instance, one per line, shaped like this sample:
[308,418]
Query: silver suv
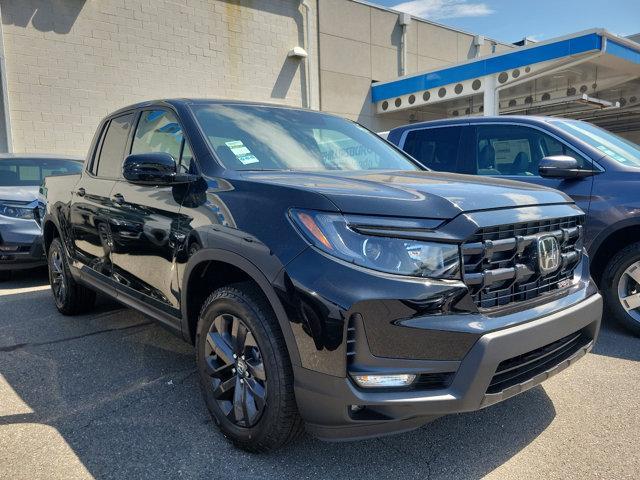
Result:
[20,235]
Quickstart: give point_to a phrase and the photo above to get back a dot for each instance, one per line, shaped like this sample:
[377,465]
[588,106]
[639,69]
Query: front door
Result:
[92,206]
[514,152]
[146,232]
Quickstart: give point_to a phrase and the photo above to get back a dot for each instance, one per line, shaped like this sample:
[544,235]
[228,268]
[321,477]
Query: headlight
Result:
[16,212]
[331,233]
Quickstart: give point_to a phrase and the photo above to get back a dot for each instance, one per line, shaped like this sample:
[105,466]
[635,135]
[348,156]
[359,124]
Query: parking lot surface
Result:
[112,395]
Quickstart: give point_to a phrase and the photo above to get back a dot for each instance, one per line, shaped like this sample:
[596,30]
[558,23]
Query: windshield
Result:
[21,172]
[249,137]
[615,147]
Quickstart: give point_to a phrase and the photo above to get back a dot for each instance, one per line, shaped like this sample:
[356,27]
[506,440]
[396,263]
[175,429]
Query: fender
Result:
[608,231]
[240,262]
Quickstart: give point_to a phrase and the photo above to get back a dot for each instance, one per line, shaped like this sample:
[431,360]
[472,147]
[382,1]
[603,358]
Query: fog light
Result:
[384,381]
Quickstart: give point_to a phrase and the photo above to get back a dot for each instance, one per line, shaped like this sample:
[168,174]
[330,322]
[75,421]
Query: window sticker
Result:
[242,153]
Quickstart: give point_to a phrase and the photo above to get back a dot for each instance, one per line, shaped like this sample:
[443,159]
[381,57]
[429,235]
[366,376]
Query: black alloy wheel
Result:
[57,276]
[244,369]
[234,363]
[70,297]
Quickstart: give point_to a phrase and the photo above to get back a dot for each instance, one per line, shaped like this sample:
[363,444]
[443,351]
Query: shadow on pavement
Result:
[124,396]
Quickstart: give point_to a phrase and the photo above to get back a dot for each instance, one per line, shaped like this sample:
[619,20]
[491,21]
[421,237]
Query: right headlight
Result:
[16,212]
[331,233]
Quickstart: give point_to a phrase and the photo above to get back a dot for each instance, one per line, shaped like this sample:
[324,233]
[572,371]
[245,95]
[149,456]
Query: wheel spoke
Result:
[634,273]
[221,348]
[239,334]
[256,369]
[631,302]
[216,370]
[238,401]
[257,392]
[225,387]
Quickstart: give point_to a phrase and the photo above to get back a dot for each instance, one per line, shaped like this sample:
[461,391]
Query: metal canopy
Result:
[589,75]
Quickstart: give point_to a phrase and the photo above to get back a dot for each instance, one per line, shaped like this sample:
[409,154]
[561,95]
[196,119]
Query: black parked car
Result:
[323,275]
[599,170]
[20,236]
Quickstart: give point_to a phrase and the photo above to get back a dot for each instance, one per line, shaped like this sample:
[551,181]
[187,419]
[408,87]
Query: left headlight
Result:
[331,233]
[16,212]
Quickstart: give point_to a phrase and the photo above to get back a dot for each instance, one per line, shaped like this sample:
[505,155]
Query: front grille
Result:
[526,366]
[501,265]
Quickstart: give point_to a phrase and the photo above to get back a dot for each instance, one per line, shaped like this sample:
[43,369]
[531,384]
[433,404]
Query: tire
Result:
[70,297]
[617,284]
[251,401]
[5,275]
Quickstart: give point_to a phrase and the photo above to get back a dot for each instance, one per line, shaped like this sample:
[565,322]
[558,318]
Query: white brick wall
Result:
[70,62]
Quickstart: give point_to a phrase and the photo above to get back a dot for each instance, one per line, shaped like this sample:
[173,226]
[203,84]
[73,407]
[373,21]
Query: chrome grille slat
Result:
[500,261]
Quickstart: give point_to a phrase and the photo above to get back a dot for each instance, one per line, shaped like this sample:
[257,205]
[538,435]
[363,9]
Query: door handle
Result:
[81,192]
[118,198]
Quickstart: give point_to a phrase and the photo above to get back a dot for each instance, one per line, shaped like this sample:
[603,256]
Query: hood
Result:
[413,194]
[19,194]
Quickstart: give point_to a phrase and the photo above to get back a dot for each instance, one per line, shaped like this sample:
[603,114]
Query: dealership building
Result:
[64,64]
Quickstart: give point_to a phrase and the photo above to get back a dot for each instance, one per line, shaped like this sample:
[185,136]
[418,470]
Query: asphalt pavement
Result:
[113,395]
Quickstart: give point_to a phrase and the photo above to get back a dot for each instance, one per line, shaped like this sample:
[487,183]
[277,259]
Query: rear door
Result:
[91,206]
[514,151]
[148,217]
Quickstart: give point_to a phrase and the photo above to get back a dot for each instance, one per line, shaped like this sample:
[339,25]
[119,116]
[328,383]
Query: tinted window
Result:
[247,137]
[30,172]
[160,131]
[113,146]
[616,148]
[516,150]
[435,148]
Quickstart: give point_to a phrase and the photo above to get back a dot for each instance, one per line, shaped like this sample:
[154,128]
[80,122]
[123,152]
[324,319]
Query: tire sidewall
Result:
[57,246]
[252,318]
[614,271]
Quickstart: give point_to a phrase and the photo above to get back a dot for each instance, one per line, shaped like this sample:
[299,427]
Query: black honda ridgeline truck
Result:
[325,278]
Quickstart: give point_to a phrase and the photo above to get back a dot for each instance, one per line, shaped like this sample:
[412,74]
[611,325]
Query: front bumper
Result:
[325,401]
[20,244]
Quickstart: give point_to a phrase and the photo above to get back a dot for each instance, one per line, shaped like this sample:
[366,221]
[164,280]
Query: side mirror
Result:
[562,166]
[155,168]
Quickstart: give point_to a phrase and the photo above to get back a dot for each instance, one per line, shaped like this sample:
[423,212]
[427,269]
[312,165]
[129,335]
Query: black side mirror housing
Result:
[155,168]
[562,166]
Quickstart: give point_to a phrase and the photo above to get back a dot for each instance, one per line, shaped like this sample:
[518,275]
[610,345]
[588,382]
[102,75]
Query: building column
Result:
[490,100]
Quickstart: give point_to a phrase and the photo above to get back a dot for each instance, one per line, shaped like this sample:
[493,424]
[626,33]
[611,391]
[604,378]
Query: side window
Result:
[550,146]
[160,131]
[113,146]
[435,148]
[515,150]
[506,150]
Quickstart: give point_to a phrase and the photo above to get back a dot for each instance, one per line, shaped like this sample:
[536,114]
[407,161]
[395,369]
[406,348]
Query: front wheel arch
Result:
[238,268]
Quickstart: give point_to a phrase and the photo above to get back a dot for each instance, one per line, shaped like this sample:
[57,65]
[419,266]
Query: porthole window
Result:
[412,99]
[454,113]
[458,89]
[426,96]
[527,69]
[512,103]
[442,92]
[398,102]
[528,100]
[515,73]
[476,84]
[385,105]
[571,91]
[545,97]
[583,89]
[503,77]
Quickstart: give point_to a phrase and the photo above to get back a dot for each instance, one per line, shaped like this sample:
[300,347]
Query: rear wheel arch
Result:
[199,282]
